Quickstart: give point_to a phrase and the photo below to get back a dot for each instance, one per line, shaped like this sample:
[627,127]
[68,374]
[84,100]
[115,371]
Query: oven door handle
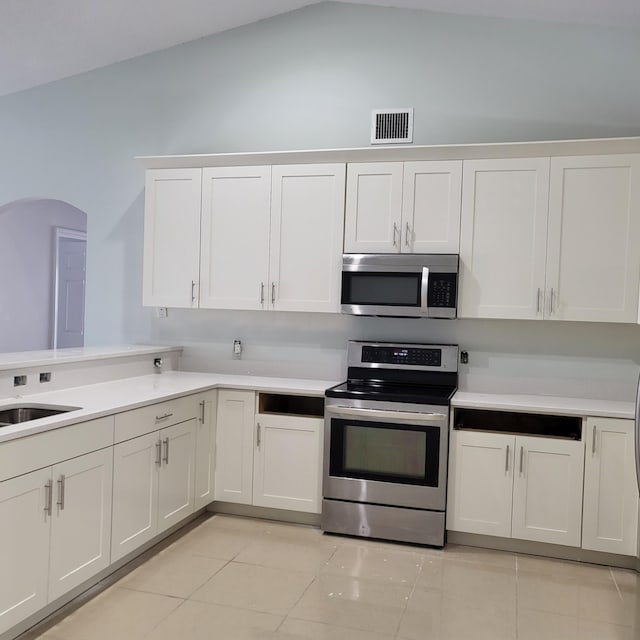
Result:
[396,416]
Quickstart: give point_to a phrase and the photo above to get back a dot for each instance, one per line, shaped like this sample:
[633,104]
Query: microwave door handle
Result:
[424,291]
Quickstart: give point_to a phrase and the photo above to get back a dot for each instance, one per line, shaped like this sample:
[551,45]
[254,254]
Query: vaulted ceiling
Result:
[42,41]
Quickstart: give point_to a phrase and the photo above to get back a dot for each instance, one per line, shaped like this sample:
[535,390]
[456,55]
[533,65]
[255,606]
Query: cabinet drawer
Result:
[132,424]
[44,449]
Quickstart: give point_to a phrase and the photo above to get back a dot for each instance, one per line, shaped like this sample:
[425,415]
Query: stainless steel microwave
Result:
[400,285]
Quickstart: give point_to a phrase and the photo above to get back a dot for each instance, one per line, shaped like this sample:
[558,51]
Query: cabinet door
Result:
[135,493]
[480,483]
[593,255]
[234,446]
[547,491]
[307,214]
[81,524]
[373,207]
[287,463]
[171,237]
[24,546]
[177,473]
[503,236]
[205,449]
[234,261]
[610,515]
[431,207]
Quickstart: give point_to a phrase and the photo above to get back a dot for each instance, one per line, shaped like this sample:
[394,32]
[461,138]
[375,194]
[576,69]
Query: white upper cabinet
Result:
[503,238]
[431,207]
[373,215]
[551,238]
[270,238]
[234,245]
[307,211]
[171,237]
[593,251]
[410,207]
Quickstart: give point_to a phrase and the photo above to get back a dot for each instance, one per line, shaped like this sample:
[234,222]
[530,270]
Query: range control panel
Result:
[416,356]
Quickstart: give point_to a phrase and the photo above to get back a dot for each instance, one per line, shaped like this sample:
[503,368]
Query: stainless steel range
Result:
[386,442]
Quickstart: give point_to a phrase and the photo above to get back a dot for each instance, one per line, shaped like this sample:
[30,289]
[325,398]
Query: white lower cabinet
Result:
[234,446]
[153,485]
[268,460]
[523,487]
[24,546]
[287,463]
[610,514]
[205,448]
[55,532]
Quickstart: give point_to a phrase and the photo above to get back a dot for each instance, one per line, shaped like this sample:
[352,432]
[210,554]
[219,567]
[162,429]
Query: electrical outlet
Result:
[162,312]
[45,376]
[464,357]
[237,348]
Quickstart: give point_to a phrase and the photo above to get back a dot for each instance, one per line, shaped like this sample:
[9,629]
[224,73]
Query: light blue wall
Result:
[307,79]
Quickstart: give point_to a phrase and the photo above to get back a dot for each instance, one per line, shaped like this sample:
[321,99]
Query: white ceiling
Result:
[45,40]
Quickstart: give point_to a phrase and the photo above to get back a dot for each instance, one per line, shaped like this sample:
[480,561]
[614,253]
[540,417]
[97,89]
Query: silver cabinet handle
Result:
[258,439]
[48,497]
[506,461]
[538,302]
[164,416]
[273,293]
[159,453]
[202,412]
[262,293]
[395,234]
[521,459]
[60,501]
[193,291]
[593,442]
[165,458]
[551,301]
[407,236]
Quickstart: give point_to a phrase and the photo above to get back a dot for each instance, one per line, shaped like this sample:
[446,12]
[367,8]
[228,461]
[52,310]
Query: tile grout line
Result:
[615,582]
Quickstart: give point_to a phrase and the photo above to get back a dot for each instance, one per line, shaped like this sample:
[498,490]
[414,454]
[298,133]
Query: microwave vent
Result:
[391,126]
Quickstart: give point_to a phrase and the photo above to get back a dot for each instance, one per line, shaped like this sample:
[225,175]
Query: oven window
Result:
[389,289]
[385,452]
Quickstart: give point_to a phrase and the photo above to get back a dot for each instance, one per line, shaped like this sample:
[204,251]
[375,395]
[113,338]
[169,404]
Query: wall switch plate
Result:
[19,381]
[45,376]
[464,357]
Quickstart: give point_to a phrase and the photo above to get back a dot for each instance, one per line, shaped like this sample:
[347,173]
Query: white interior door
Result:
[70,285]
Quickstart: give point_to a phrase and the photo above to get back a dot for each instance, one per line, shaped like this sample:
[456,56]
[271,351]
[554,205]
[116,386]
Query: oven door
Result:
[386,456]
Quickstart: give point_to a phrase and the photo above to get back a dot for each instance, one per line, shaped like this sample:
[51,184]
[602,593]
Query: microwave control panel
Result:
[442,290]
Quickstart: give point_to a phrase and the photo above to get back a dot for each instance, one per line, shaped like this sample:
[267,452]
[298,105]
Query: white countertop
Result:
[106,398]
[545,404]
[22,359]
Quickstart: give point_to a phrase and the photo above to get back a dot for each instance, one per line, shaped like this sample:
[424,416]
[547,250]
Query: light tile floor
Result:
[238,578]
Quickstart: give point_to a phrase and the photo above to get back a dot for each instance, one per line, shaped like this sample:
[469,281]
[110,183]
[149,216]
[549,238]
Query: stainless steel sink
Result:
[13,414]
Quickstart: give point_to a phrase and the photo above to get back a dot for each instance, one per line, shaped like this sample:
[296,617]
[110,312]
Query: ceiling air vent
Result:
[390,126]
